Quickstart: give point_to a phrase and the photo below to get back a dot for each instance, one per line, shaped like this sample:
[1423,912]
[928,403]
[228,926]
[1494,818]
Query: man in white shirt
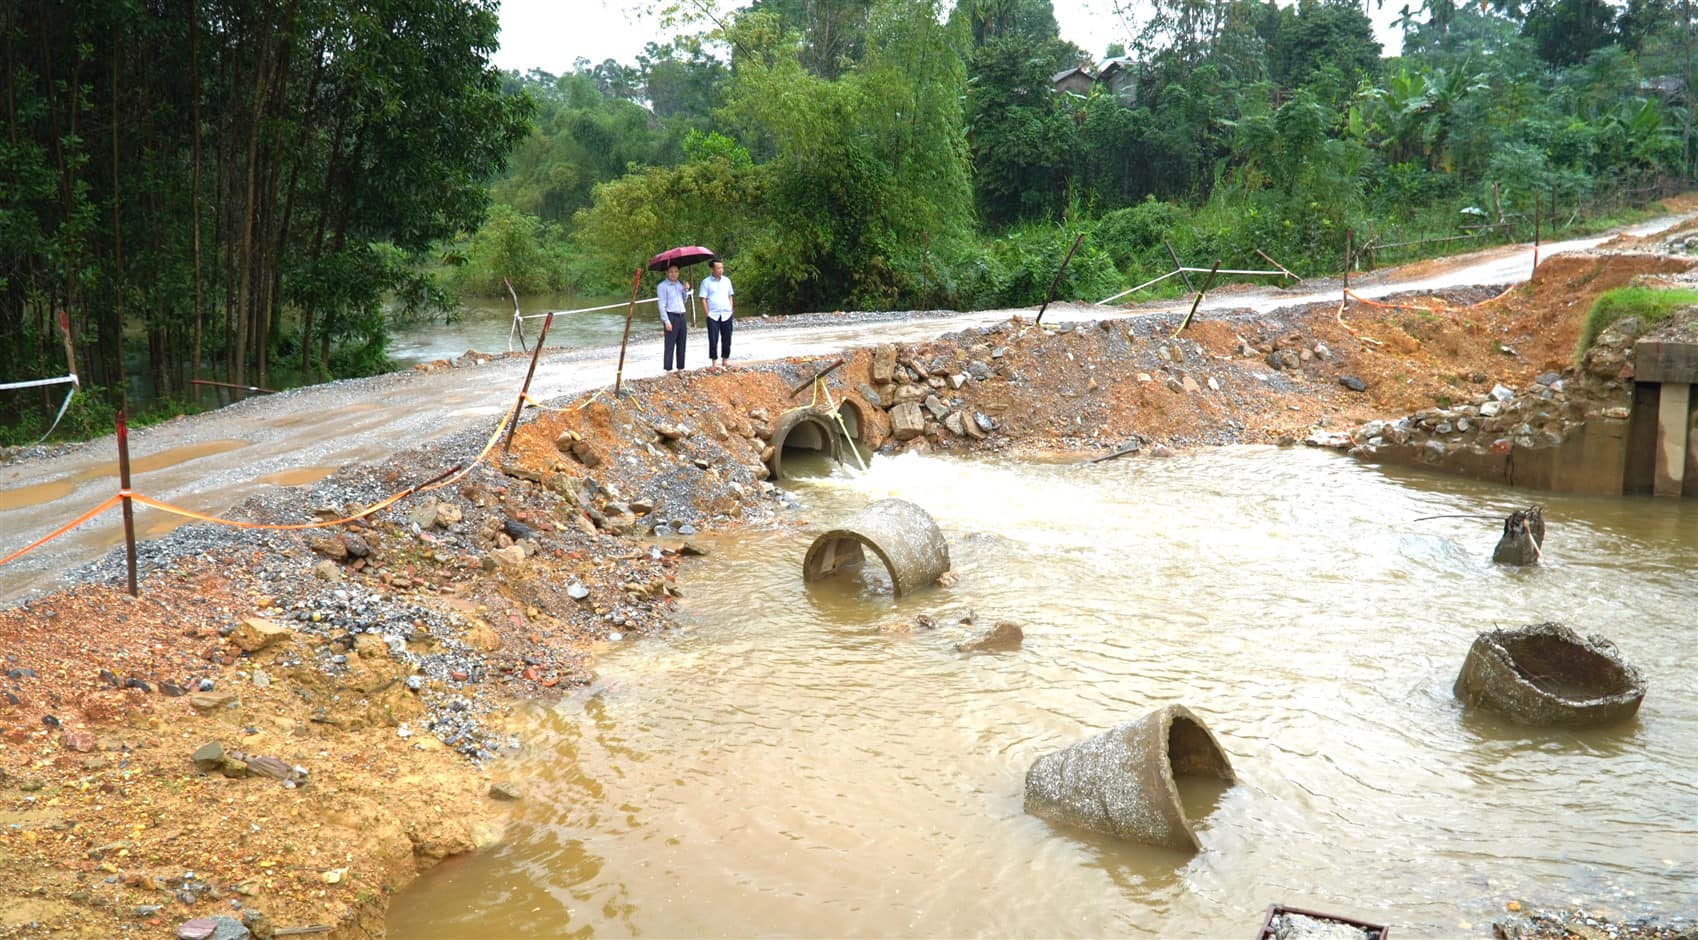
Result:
[716,296]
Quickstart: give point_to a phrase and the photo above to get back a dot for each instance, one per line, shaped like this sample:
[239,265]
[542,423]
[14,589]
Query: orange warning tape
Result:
[483,455]
[447,478]
[110,502]
[1352,295]
[542,407]
[1385,306]
[278,527]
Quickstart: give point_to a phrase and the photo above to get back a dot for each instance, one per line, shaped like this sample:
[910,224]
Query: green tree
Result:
[1021,132]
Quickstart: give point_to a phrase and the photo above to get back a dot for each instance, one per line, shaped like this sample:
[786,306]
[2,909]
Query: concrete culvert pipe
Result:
[803,430]
[854,421]
[1121,782]
[901,534]
[1547,674]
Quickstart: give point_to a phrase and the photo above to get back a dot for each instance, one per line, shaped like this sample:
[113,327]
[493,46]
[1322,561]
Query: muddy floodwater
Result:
[778,766]
[486,325]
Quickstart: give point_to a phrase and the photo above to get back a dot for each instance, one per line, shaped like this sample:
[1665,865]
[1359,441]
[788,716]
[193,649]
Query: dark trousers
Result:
[719,339]
[674,340]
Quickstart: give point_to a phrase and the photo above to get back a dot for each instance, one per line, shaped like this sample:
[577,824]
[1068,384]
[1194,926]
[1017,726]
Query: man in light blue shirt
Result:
[716,296]
[673,299]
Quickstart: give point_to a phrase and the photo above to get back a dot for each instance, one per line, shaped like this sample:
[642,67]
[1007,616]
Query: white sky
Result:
[551,34]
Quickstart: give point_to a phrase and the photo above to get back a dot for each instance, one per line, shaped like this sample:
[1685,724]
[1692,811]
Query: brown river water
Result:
[779,767]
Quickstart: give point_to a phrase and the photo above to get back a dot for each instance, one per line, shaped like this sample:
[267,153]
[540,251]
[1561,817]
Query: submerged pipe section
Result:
[1523,538]
[1121,782]
[1547,674]
[901,534]
[805,429]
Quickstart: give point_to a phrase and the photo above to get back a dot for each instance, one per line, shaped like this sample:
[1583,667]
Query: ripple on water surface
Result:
[781,767]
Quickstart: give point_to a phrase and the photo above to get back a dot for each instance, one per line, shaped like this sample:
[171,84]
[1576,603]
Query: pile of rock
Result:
[922,397]
[1541,415]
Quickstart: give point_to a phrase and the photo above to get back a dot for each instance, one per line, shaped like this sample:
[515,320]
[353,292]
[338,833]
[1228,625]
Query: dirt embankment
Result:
[356,679]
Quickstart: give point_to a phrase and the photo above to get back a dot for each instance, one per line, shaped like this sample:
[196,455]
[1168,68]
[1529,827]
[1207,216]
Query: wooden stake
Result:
[1056,281]
[1347,236]
[799,389]
[1207,282]
[1283,269]
[124,493]
[70,351]
[618,377]
[1538,200]
[525,390]
[1189,287]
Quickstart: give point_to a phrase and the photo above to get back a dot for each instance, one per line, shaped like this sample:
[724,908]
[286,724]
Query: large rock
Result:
[209,757]
[1121,782]
[906,422]
[1547,674]
[255,634]
[331,547]
[884,363]
[210,701]
[1003,636]
[424,514]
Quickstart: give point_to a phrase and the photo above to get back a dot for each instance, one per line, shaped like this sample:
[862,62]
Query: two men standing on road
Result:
[673,299]
[716,297]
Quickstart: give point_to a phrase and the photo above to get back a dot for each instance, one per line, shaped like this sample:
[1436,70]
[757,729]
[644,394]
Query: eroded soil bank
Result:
[374,663]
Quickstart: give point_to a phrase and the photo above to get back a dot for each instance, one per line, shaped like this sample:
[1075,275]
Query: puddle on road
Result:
[320,417]
[35,494]
[162,459]
[297,476]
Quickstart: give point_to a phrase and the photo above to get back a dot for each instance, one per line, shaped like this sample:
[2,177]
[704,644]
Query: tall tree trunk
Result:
[250,208]
[194,180]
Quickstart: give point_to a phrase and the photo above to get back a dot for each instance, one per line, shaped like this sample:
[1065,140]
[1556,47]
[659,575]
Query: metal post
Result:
[525,390]
[1207,282]
[618,377]
[518,321]
[1056,281]
[124,493]
[1189,288]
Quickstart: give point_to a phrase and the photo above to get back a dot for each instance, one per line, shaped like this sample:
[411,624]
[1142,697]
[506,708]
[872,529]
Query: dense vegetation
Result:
[880,152]
[248,188]
[229,187]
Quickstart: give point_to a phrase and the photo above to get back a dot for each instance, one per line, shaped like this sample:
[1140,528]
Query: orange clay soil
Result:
[104,820]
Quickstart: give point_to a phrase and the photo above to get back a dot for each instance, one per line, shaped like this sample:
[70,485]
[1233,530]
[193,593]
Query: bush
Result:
[516,246]
[1649,304]
[1128,234]
[1028,257]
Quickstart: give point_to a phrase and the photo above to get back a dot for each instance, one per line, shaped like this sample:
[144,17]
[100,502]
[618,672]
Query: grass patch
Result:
[1651,305]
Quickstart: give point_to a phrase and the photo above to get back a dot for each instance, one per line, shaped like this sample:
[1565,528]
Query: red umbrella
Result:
[681,257]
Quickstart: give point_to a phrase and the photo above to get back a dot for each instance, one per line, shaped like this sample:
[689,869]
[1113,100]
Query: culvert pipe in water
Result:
[803,429]
[901,534]
[1547,674]
[1121,782]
